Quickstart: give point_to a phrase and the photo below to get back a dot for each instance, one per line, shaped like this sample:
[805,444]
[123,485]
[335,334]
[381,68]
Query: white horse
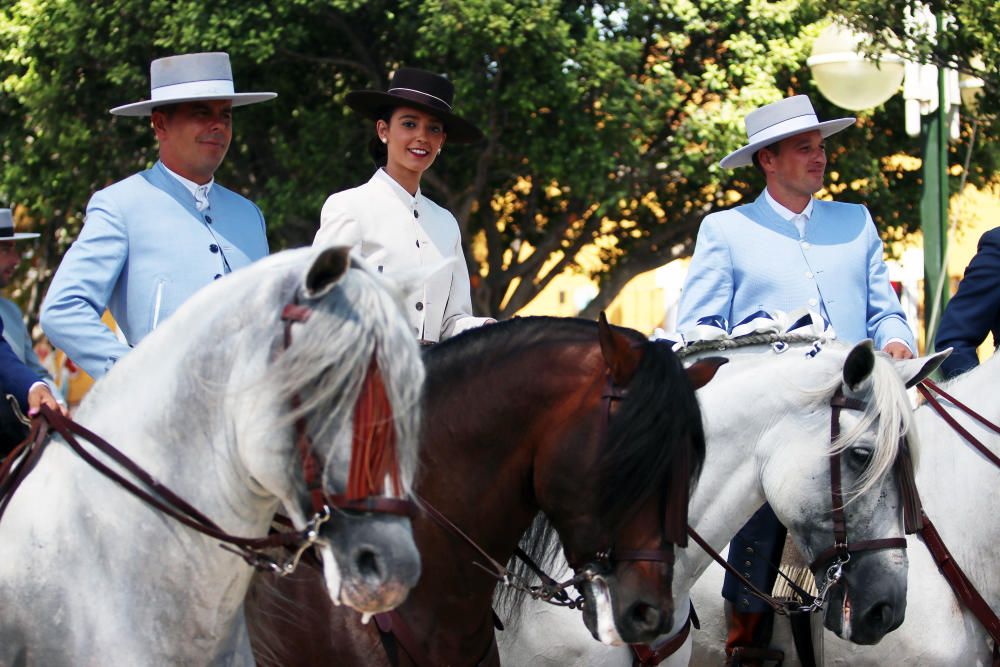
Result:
[91,575]
[956,485]
[768,435]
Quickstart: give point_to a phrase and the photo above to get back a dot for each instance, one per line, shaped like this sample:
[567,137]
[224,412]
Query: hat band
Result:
[6,232]
[393,91]
[785,126]
[212,89]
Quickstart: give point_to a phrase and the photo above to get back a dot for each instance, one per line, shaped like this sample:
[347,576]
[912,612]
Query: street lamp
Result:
[835,65]
[848,78]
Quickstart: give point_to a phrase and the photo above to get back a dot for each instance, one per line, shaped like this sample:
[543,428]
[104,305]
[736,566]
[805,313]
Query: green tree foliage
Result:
[604,120]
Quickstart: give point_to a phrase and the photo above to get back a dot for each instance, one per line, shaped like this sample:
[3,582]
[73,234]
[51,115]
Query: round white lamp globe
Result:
[846,77]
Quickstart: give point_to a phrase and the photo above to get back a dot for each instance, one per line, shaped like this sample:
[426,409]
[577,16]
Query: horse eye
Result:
[861,455]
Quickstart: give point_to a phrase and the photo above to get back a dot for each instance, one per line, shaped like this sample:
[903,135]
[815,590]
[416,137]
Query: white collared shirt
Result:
[199,192]
[798,219]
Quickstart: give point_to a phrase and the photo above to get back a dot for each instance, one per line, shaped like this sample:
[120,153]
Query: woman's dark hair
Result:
[376,149]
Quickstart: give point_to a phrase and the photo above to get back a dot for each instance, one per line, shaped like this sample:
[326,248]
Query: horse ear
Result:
[859,364]
[327,269]
[919,368]
[619,354]
[702,371]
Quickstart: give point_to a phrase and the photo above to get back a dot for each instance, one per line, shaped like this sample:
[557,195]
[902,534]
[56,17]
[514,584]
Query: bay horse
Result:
[768,418]
[517,422]
[956,484]
[301,347]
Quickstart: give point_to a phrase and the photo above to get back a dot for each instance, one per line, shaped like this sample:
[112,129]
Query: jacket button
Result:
[208,219]
[213,248]
[416,214]
[420,306]
[217,276]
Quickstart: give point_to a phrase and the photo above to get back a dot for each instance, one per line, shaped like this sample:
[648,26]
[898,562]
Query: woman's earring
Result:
[439,151]
[384,140]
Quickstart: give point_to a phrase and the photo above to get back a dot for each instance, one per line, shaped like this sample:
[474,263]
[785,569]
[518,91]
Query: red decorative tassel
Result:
[373,455]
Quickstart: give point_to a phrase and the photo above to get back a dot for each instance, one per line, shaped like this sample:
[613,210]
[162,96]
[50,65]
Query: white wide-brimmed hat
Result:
[189,78]
[7,232]
[777,121]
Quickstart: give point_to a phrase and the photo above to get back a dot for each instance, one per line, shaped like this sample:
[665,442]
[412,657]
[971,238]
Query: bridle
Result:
[593,568]
[358,498]
[833,558]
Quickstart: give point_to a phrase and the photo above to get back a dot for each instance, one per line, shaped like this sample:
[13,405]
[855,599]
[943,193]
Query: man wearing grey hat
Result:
[784,251]
[152,240]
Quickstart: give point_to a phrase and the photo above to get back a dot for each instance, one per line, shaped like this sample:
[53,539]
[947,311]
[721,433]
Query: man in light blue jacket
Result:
[152,240]
[784,251]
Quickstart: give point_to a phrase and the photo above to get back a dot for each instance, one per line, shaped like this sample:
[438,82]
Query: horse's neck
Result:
[480,443]
[165,407]
[477,469]
[729,490]
[956,482]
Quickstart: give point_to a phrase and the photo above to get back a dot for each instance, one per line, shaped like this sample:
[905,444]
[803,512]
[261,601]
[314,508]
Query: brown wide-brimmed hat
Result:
[420,89]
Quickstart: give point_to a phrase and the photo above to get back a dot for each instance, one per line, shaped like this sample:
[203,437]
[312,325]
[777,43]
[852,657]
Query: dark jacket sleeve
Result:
[974,310]
[15,377]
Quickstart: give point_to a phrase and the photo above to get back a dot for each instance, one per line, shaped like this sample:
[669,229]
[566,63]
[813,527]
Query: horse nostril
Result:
[368,564]
[881,616]
[645,617]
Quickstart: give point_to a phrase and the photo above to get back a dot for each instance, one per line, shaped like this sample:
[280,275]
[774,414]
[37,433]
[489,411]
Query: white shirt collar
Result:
[408,199]
[199,192]
[785,213]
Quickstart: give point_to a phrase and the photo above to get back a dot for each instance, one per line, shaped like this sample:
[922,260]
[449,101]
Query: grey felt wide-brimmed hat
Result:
[780,120]
[420,89]
[7,232]
[190,78]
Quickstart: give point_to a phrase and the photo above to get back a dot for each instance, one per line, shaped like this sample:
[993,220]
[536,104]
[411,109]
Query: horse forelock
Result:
[889,413]
[656,440]
[354,332]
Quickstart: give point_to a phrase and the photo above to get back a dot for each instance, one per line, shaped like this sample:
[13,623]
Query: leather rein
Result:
[960,584]
[839,553]
[392,624]
[147,488]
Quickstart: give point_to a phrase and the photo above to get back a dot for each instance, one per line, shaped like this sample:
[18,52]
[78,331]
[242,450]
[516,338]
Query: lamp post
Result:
[850,80]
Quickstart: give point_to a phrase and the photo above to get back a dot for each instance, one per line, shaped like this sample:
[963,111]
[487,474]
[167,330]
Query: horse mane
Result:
[888,405]
[541,543]
[886,402]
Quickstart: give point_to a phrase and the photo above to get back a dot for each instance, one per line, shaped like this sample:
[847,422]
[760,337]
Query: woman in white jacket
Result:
[388,221]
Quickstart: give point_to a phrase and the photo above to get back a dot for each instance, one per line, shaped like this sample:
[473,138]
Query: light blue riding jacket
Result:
[750,259]
[144,249]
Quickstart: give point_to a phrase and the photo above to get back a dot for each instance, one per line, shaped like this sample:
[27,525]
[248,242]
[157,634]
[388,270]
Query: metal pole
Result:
[934,211]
